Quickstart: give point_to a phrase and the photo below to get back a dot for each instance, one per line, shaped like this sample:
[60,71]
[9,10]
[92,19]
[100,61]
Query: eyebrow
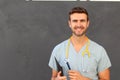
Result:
[82,20]
[75,20]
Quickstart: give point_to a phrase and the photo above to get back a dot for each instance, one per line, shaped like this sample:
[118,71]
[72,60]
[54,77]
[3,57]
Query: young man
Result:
[80,57]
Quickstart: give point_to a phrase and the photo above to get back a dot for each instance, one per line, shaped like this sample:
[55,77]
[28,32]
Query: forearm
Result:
[104,75]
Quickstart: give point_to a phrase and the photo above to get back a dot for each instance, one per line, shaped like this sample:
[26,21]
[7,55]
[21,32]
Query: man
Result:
[80,57]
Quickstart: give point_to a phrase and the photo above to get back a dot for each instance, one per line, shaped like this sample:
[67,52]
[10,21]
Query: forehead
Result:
[78,16]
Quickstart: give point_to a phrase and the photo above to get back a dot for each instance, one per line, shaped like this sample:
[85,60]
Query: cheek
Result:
[85,25]
[72,25]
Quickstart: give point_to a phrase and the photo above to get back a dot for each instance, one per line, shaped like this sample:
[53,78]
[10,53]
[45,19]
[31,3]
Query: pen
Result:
[68,65]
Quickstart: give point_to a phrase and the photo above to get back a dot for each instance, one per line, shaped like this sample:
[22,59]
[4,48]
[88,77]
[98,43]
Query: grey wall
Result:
[30,30]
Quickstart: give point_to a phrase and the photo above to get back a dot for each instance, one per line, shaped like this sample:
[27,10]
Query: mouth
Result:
[79,27]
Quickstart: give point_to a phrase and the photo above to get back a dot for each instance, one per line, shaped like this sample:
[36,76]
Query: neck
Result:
[79,40]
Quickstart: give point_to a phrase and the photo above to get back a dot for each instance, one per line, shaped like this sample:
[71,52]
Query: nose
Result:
[78,23]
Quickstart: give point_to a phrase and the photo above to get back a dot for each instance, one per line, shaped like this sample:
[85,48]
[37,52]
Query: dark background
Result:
[30,30]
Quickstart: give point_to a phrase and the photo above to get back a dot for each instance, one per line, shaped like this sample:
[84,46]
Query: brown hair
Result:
[78,10]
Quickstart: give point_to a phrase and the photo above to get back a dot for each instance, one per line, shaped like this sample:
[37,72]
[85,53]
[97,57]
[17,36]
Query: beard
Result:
[79,34]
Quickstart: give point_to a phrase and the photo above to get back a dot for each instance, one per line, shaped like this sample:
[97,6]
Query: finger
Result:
[72,77]
[71,72]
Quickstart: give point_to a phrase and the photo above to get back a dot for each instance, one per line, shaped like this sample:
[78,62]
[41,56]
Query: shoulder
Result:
[97,50]
[96,46]
[59,49]
[61,45]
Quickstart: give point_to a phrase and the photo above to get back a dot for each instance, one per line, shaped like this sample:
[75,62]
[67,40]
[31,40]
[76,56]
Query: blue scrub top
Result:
[87,66]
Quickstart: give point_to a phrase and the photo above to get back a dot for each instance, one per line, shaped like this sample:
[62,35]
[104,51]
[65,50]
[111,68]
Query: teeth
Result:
[79,27]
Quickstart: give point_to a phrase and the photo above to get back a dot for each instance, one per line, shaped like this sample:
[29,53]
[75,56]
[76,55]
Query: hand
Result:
[75,75]
[59,77]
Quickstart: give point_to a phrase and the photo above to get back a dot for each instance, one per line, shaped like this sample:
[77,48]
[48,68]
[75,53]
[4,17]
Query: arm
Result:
[56,76]
[104,75]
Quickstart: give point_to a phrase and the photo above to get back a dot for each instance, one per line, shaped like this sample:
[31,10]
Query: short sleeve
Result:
[104,61]
[52,63]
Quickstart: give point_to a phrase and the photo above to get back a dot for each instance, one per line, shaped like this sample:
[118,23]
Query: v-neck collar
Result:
[80,51]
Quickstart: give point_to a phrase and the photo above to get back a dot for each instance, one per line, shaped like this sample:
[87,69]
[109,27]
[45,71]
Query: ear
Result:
[69,23]
[88,23]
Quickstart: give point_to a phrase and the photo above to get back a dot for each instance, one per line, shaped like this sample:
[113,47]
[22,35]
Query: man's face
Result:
[78,23]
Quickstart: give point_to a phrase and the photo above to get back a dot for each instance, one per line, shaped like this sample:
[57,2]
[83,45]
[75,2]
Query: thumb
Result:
[59,73]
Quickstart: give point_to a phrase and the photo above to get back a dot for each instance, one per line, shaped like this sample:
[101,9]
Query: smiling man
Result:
[80,57]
